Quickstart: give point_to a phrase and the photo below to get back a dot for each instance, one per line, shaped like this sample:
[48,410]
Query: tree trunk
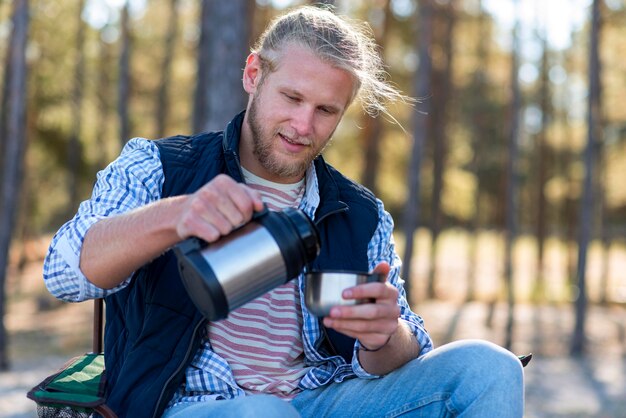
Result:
[373,127]
[3,105]
[13,132]
[566,219]
[124,83]
[605,269]
[570,214]
[600,190]
[201,102]
[372,133]
[512,184]
[74,148]
[440,118]
[104,101]
[225,37]
[541,148]
[586,204]
[604,230]
[421,83]
[166,70]
[477,129]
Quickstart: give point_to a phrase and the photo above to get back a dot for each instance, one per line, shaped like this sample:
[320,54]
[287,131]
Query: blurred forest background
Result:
[505,179]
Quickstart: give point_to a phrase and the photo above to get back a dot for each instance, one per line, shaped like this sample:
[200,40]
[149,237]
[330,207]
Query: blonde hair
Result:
[343,43]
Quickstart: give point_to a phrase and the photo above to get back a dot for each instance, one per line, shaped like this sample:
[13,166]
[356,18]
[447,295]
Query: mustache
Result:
[294,137]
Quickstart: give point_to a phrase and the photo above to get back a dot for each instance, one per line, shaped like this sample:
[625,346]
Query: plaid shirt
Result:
[136,179]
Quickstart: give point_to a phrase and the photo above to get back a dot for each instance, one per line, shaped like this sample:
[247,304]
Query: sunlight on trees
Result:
[456,191]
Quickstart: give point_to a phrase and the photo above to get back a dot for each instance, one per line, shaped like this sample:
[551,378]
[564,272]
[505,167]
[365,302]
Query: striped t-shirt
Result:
[262,340]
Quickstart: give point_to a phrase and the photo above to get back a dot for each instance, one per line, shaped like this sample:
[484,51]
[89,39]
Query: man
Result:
[271,357]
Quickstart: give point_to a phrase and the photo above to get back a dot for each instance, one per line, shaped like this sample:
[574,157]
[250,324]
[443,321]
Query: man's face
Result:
[292,115]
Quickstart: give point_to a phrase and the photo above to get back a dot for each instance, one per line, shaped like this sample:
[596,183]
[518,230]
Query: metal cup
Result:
[323,289]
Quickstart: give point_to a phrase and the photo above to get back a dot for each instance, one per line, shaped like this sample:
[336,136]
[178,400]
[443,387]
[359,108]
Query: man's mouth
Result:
[293,141]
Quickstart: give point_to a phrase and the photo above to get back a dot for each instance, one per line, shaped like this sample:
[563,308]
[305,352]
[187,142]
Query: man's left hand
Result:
[374,323]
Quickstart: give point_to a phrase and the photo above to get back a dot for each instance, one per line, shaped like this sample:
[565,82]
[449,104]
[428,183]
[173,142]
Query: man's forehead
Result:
[298,57]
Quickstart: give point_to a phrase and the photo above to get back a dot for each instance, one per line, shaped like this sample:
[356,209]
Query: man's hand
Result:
[376,325]
[371,323]
[217,208]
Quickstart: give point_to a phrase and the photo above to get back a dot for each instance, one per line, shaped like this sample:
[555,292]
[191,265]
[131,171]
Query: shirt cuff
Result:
[68,247]
[72,258]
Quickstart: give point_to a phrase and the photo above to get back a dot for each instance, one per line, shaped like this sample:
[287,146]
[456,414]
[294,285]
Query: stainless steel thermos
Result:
[266,252]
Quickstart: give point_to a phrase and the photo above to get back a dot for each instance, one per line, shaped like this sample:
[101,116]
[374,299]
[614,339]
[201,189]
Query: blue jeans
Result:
[469,378]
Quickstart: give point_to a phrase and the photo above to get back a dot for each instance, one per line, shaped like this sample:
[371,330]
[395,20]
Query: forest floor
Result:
[44,333]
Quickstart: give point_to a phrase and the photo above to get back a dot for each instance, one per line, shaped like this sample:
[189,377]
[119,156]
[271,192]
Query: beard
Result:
[263,141]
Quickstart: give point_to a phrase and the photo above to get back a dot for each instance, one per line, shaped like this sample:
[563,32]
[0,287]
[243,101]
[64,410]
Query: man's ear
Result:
[252,73]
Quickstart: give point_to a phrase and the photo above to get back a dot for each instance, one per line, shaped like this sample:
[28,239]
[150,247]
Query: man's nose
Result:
[302,120]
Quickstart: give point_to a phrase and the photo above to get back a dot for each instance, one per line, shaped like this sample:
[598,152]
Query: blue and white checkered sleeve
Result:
[134,179]
[382,248]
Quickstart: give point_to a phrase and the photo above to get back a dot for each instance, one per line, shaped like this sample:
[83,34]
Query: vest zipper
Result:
[180,366]
[332,212]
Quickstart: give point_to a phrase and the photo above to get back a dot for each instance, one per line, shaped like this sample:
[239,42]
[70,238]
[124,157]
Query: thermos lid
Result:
[295,235]
[307,232]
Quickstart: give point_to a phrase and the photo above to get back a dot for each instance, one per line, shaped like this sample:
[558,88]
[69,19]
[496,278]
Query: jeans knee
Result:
[492,380]
[495,363]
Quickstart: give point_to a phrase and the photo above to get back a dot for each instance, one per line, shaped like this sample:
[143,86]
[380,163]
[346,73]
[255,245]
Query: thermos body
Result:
[264,253]
[250,249]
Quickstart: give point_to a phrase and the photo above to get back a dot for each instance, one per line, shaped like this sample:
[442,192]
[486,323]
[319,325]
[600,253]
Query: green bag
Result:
[77,390]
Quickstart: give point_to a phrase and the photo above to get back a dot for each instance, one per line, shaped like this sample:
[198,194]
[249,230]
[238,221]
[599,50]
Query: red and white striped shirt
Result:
[262,340]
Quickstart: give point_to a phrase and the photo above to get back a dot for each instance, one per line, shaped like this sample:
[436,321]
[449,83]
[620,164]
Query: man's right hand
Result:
[217,208]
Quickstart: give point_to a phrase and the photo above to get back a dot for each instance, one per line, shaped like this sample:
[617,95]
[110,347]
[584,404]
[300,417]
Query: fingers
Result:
[366,311]
[385,304]
[370,323]
[217,208]
[382,292]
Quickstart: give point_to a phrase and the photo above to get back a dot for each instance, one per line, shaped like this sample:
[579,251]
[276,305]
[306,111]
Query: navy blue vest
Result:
[153,329]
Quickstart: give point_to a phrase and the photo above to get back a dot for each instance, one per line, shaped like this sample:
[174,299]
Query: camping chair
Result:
[77,389]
